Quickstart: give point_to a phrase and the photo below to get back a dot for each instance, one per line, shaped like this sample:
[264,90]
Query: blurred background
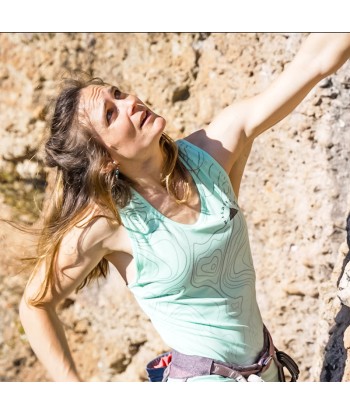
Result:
[294,192]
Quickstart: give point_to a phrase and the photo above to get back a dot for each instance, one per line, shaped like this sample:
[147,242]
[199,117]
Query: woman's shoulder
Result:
[196,139]
[200,148]
[93,229]
[199,141]
[191,145]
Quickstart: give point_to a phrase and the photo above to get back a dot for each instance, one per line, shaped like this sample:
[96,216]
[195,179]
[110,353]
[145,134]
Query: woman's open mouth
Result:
[144,118]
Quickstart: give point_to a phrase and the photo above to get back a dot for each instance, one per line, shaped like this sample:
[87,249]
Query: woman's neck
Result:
[146,173]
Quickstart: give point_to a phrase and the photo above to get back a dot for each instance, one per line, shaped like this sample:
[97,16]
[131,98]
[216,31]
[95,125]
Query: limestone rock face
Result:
[294,192]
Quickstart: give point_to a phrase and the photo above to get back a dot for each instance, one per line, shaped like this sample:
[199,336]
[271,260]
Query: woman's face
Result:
[125,125]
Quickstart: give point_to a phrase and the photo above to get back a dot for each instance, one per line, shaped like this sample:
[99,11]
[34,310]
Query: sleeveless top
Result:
[196,282]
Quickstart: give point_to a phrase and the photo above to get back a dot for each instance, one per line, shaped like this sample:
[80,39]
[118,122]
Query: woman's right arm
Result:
[81,250]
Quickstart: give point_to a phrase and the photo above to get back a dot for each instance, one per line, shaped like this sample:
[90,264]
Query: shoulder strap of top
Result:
[207,169]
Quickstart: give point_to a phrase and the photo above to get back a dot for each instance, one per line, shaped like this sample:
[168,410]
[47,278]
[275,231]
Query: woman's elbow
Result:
[29,309]
[25,309]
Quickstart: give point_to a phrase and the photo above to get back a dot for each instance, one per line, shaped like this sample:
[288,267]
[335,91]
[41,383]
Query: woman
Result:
[165,215]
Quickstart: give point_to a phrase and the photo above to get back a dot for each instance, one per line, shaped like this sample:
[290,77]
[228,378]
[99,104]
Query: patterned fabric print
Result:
[197,282]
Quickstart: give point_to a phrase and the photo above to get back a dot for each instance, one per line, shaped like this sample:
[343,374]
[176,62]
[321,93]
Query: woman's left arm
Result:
[226,138]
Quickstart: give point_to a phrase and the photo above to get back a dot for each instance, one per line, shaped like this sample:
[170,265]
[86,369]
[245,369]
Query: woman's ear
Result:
[109,165]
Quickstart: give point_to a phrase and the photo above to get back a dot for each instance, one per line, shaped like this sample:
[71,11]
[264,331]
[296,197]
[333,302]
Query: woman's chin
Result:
[160,122]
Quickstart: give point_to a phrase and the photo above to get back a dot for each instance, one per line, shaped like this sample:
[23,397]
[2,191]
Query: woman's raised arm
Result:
[237,125]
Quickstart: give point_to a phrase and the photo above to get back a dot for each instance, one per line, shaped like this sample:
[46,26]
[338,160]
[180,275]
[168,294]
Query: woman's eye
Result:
[109,115]
[117,94]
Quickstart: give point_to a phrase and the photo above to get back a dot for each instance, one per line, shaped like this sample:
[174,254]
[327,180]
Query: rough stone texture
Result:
[294,191]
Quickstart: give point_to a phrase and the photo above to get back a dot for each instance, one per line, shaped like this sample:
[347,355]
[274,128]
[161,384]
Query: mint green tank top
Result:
[197,282]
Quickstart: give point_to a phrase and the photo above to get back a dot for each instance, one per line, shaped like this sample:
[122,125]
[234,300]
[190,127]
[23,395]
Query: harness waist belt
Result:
[186,366]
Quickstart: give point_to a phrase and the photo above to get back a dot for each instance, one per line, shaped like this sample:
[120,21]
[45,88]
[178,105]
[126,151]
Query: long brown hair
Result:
[83,183]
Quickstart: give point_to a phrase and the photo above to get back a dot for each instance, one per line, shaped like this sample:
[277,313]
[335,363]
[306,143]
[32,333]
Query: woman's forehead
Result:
[92,95]
[91,103]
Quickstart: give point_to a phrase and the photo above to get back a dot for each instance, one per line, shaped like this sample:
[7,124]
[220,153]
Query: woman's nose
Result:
[132,103]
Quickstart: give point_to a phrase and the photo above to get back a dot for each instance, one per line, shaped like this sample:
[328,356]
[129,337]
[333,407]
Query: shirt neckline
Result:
[166,218]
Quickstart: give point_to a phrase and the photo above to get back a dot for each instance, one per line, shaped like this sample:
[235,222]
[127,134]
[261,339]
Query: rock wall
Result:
[294,191]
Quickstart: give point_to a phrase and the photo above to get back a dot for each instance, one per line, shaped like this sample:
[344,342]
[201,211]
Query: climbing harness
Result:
[176,365]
